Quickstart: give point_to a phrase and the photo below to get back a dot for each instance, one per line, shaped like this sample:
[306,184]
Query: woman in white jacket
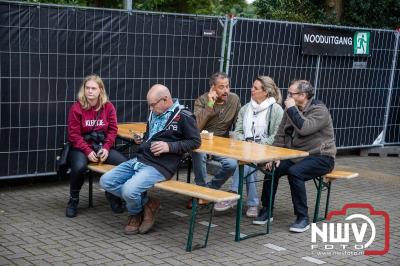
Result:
[257,121]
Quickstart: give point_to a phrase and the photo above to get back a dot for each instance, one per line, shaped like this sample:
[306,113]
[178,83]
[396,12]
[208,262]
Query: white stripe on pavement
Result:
[180,214]
[241,234]
[274,247]
[316,261]
[206,224]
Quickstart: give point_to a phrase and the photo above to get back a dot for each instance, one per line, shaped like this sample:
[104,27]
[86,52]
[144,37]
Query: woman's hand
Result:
[138,138]
[102,155]
[93,157]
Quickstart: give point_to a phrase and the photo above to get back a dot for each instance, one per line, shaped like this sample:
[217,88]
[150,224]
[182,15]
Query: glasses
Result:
[293,93]
[152,105]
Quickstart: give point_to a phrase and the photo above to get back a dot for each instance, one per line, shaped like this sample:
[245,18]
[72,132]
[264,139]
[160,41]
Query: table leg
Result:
[271,191]
[240,201]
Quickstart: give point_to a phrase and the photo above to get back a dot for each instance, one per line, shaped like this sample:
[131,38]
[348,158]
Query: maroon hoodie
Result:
[81,122]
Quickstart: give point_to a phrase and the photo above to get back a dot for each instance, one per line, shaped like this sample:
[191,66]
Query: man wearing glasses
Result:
[216,111]
[307,126]
[171,132]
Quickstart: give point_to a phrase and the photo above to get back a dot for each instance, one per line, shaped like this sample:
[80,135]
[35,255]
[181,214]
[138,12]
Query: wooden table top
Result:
[126,130]
[248,152]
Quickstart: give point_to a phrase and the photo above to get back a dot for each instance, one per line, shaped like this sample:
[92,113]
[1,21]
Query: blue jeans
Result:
[130,181]
[252,198]
[227,169]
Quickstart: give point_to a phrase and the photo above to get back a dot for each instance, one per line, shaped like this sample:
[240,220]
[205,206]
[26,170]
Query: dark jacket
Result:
[182,136]
[309,130]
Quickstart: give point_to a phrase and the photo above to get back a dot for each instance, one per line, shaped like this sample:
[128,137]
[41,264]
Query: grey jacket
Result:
[309,130]
[276,117]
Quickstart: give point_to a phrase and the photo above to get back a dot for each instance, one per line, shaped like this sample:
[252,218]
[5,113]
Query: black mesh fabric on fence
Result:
[46,51]
[357,98]
[393,126]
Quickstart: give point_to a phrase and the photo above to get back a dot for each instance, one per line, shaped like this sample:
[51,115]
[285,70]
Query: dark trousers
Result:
[78,162]
[298,173]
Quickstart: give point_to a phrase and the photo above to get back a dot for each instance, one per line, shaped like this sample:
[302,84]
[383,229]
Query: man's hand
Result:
[159,147]
[93,157]
[102,155]
[269,165]
[212,96]
[289,102]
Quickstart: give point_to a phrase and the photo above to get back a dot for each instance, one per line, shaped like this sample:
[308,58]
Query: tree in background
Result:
[91,3]
[358,13]
[372,13]
[204,7]
[311,11]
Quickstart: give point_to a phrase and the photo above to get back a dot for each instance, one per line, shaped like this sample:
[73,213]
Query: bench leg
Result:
[191,225]
[317,203]
[328,198]
[90,189]
[320,187]
[189,246]
[209,223]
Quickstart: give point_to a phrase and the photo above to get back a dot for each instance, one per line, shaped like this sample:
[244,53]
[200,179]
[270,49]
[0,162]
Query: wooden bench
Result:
[324,183]
[186,189]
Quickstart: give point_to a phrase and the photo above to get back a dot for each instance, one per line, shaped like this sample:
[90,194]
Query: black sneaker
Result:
[262,217]
[71,207]
[301,225]
[116,203]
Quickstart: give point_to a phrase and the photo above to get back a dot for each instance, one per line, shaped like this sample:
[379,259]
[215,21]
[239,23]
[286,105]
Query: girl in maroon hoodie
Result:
[92,129]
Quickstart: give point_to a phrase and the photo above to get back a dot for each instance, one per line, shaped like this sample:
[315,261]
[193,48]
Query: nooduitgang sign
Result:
[335,42]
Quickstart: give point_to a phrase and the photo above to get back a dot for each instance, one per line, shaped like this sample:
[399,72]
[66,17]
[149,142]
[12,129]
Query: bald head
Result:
[158,91]
[159,98]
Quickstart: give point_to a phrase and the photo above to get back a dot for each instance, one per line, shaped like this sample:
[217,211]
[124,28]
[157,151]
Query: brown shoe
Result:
[150,211]
[201,202]
[133,225]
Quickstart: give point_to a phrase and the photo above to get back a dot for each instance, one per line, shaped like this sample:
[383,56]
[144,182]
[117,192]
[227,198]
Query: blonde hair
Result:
[269,86]
[103,98]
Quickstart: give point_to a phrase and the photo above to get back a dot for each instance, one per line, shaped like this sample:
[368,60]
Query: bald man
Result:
[171,132]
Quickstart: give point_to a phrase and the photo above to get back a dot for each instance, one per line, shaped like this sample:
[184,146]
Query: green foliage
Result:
[372,13]
[311,11]
[358,13]
[205,7]
[91,3]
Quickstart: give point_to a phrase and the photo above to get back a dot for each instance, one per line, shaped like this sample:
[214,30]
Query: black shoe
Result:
[116,203]
[71,207]
[262,217]
[301,225]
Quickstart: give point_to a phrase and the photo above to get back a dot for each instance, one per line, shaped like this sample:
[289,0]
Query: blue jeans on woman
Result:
[130,181]
[252,198]
[227,169]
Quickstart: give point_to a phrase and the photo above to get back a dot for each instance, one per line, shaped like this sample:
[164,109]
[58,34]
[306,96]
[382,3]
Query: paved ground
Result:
[34,230]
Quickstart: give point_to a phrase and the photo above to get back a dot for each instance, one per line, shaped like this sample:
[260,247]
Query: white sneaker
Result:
[252,211]
[224,205]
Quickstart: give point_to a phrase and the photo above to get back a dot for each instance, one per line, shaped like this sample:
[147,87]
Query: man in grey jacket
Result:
[307,126]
